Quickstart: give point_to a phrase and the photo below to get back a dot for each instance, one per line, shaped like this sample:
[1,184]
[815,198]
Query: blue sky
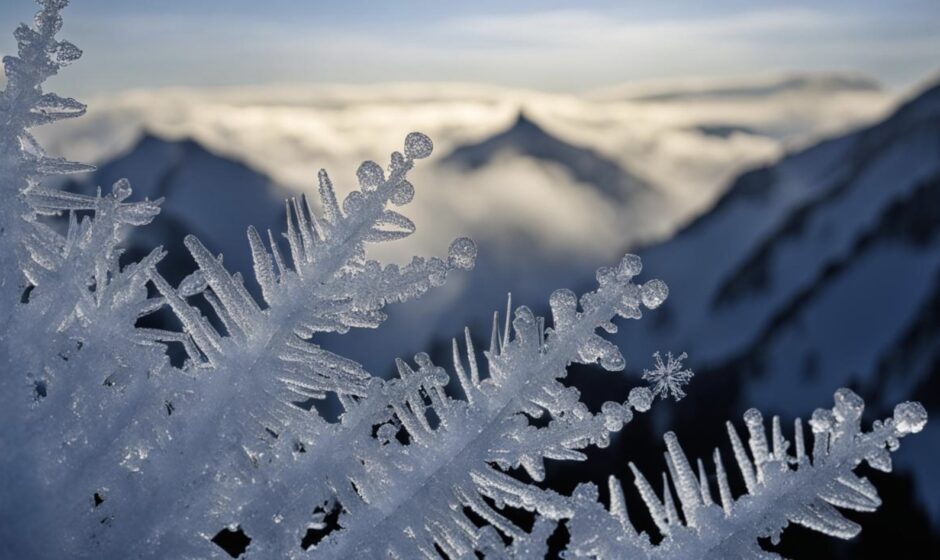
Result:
[567,46]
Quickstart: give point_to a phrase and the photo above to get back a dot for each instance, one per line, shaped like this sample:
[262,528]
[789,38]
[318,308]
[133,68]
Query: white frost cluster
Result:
[110,450]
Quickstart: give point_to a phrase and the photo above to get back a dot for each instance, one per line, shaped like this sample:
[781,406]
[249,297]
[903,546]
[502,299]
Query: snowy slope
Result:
[818,272]
[525,137]
[213,197]
[777,228]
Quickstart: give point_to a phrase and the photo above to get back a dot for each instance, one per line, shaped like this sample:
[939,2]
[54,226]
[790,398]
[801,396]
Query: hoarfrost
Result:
[129,455]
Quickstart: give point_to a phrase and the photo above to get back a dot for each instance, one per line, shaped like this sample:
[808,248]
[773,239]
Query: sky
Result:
[546,45]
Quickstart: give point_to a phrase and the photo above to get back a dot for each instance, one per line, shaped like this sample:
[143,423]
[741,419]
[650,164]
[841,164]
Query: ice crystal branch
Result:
[409,500]
[257,372]
[23,162]
[785,484]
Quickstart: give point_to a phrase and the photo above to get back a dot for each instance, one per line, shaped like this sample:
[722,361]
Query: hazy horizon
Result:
[548,46]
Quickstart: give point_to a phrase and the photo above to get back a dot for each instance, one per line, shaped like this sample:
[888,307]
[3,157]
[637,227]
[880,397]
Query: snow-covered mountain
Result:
[820,271]
[526,138]
[715,265]
[205,194]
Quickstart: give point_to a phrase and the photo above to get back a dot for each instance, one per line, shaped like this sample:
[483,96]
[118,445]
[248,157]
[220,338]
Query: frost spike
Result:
[672,514]
[331,211]
[413,413]
[853,492]
[495,343]
[542,332]
[703,484]
[276,253]
[757,441]
[618,504]
[472,358]
[687,487]
[655,507]
[780,444]
[724,488]
[263,265]
[824,518]
[740,456]
[798,441]
[293,240]
[468,388]
[303,224]
[316,227]
[409,421]
[505,339]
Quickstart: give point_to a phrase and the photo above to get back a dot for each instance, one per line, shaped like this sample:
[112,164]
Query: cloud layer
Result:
[664,134]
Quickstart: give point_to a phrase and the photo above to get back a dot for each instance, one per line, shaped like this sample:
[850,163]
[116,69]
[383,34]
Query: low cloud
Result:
[289,133]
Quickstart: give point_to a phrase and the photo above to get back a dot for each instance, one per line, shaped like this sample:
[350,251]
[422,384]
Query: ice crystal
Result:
[785,483]
[668,378]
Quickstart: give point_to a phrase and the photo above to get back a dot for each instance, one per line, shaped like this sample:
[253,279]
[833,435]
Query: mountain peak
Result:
[523,122]
[527,138]
[150,140]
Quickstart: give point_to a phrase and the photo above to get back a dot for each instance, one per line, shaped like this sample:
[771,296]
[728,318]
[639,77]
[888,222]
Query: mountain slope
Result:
[205,194]
[527,138]
[777,227]
[820,271]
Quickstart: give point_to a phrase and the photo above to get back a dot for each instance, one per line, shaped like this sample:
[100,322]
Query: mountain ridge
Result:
[743,87]
[526,137]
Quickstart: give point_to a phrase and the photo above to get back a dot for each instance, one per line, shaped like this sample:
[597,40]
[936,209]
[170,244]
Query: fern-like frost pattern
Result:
[126,453]
[786,482]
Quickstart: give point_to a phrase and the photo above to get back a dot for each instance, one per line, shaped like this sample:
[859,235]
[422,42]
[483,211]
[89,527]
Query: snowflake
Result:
[669,377]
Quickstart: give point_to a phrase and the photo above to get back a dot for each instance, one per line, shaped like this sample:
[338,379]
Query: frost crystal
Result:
[258,429]
[784,484]
[668,378]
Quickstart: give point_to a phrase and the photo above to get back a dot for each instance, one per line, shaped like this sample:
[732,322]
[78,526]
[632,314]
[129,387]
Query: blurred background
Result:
[776,163]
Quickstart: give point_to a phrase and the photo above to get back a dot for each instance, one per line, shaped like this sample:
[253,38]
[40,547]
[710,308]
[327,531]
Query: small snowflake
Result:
[669,377]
